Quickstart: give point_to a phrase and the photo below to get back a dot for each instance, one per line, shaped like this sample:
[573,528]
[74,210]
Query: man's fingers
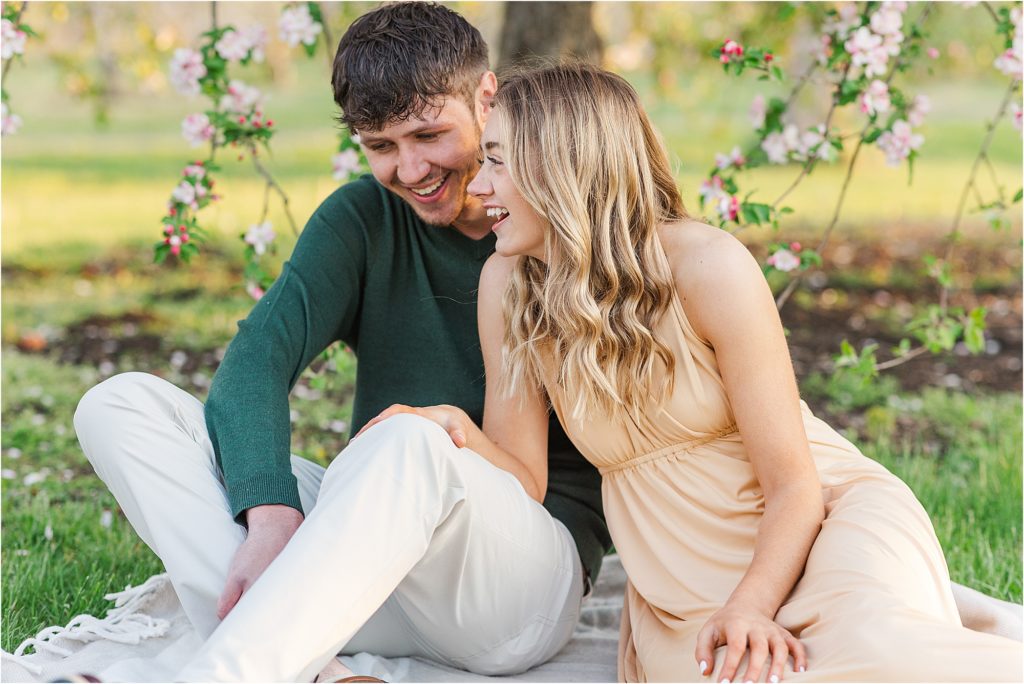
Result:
[228,599]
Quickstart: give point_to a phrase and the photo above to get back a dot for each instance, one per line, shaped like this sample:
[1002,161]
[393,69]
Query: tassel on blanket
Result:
[123,624]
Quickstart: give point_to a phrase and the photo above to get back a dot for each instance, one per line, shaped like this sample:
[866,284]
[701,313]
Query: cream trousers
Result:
[410,546]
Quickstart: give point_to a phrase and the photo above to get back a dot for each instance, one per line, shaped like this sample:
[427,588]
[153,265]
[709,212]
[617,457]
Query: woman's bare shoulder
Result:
[705,259]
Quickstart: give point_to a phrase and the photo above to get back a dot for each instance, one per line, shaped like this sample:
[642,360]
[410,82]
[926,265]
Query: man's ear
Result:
[484,95]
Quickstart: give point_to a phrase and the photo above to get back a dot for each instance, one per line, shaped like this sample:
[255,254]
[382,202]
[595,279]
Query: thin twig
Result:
[993,177]
[17,21]
[213,15]
[992,12]
[954,232]
[902,359]
[271,183]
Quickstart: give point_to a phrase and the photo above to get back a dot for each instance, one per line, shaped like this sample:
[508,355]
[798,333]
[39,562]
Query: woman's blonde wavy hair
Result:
[582,152]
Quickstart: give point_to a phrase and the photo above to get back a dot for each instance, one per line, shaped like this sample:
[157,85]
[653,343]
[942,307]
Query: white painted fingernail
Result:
[803,669]
[725,681]
[774,679]
[703,666]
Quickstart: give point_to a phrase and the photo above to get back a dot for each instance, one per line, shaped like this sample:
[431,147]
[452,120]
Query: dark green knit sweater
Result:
[402,294]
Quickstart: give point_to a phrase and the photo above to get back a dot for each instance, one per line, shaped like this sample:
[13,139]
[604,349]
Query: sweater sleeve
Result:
[314,302]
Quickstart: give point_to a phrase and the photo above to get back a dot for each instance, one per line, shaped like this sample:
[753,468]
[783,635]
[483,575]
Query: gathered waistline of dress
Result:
[670,450]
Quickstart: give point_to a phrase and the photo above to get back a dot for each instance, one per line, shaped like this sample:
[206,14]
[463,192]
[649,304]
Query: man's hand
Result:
[270,528]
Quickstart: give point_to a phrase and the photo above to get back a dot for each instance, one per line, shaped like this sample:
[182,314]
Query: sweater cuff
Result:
[263,489]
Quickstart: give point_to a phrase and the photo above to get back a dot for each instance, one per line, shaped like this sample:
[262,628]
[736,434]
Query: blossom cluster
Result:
[345,164]
[298,25]
[9,121]
[193,192]
[12,39]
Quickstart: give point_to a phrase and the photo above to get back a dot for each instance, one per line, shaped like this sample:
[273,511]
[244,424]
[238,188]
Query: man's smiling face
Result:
[428,160]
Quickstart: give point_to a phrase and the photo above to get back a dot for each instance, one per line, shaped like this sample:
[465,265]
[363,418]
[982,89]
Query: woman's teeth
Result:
[430,189]
[497,212]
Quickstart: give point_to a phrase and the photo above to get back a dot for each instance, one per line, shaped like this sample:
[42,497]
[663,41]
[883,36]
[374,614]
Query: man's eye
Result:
[426,136]
[379,148]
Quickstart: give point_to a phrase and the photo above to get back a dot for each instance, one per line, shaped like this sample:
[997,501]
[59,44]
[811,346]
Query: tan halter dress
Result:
[683,506]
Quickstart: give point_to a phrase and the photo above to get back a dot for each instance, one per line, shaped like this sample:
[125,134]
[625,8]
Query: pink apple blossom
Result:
[345,163]
[847,19]
[711,190]
[197,171]
[899,142]
[784,260]
[734,158]
[12,39]
[730,48]
[1015,115]
[875,98]
[254,290]
[867,51]
[757,111]
[241,98]
[296,25]
[933,53]
[897,5]
[186,69]
[729,207]
[919,107]
[197,129]
[9,122]
[1010,63]
[260,236]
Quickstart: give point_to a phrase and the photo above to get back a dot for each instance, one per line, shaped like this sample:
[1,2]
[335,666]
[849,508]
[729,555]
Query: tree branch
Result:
[10,60]
[961,205]
[900,360]
[271,183]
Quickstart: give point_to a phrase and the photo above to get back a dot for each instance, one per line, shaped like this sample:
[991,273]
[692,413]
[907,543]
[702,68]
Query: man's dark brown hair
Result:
[403,58]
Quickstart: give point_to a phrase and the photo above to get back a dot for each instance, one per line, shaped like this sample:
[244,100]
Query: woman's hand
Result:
[453,419]
[739,628]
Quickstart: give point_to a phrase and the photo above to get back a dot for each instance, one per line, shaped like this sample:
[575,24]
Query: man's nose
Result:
[412,168]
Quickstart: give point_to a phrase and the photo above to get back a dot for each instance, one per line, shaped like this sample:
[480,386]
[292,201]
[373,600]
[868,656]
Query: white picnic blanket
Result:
[146,638]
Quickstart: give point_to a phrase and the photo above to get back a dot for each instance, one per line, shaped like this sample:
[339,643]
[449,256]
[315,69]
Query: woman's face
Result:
[519,229]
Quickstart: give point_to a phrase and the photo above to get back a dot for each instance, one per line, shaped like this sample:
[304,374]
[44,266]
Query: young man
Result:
[406,545]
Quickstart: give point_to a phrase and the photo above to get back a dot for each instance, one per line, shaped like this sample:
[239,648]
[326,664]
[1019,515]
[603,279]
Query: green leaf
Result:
[777,73]
[974,330]
[1017,197]
[873,134]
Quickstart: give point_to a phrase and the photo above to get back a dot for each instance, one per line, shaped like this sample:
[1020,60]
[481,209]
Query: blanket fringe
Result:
[123,624]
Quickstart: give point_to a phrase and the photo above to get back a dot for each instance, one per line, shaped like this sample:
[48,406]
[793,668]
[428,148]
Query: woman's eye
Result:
[495,161]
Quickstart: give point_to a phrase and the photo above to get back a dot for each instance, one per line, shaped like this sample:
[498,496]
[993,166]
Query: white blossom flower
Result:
[260,236]
[296,25]
[784,260]
[233,46]
[887,21]
[774,145]
[257,37]
[8,474]
[863,46]
[758,110]
[14,452]
[48,533]
[712,190]
[899,142]
[196,129]
[186,69]
[185,193]
[919,107]
[734,158]
[345,163]
[9,123]
[875,98]
[35,478]
[106,518]
[241,98]
[12,40]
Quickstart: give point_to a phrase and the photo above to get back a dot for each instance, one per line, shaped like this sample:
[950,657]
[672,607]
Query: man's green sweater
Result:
[402,294]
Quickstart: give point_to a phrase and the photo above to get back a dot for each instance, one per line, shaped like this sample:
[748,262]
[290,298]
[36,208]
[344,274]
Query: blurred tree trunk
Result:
[548,29]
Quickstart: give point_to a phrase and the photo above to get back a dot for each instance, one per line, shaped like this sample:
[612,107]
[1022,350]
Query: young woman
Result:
[759,544]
